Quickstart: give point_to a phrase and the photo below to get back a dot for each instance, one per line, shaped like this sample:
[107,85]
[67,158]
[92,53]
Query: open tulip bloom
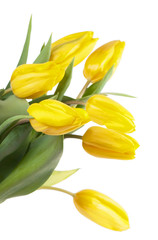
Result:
[32,132]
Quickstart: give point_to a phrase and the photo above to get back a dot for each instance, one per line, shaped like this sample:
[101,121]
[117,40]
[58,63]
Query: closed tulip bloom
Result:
[33,80]
[106,111]
[78,45]
[102,59]
[107,143]
[56,118]
[101,209]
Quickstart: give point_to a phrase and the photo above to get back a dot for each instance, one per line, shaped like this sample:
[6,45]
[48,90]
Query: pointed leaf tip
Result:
[24,54]
[45,53]
[65,82]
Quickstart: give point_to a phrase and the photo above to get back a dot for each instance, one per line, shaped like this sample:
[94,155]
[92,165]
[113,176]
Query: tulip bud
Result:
[34,80]
[106,111]
[56,118]
[101,209]
[107,143]
[102,59]
[78,45]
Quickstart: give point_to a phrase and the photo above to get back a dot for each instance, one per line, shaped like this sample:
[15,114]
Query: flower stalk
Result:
[59,190]
[73,136]
[7,91]
[75,102]
[83,89]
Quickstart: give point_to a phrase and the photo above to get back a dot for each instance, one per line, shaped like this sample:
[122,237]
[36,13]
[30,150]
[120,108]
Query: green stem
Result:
[7,91]
[83,90]
[75,102]
[59,189]
[73,136]
[23,121]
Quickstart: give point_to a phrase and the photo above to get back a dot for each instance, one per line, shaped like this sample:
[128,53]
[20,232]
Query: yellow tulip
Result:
[106,111]
[34,80]
[56,118]
[107,143]
[78,45]
[101,209]
[102,59]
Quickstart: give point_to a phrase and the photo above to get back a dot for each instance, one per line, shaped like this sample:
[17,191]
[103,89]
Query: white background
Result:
[133,184]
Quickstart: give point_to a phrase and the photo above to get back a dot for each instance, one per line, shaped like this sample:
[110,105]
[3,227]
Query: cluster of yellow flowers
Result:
[52,116]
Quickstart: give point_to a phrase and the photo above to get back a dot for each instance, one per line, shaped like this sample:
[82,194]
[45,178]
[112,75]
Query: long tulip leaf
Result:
[1,92]
[43,46]
[45,53]
[34,169]
[10,123]
[58,176]
[119,94]
[12,106]
[24,54]
[13,148]
[44,97]
[67,98]
[64,84]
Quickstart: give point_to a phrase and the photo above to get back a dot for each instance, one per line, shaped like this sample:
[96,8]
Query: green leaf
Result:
[44,97]
[44,55]
[34,169]
[96,88]
[6,95]
[9,124]
[66,99]
[13,148]
[12,106]
[58,176]
[119,94]
[83,99]
[1,92]
[43,46]
[24,55]
[64,84]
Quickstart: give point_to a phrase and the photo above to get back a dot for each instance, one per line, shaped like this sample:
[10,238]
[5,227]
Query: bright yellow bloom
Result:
[107,143]
[34,80]
[78,45]
[101,209]
[106,111]
[102,59]
[56,118]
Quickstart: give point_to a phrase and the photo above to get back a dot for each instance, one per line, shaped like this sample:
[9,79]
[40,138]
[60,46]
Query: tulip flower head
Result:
[101,209]
[34,80]
[78,45]
[105,111]
[102,59]
[107,143]
[56,118]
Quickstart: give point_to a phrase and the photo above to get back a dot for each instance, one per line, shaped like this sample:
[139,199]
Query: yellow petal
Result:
[107,143]
[51,130]
[73,37]
[34,80]
[77,45]
[106,111]
[102,59]
[56,118]
[52,113]
[85,50]
[101,209]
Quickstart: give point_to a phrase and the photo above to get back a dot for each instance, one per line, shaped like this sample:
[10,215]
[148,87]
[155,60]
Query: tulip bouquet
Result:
[34,124]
